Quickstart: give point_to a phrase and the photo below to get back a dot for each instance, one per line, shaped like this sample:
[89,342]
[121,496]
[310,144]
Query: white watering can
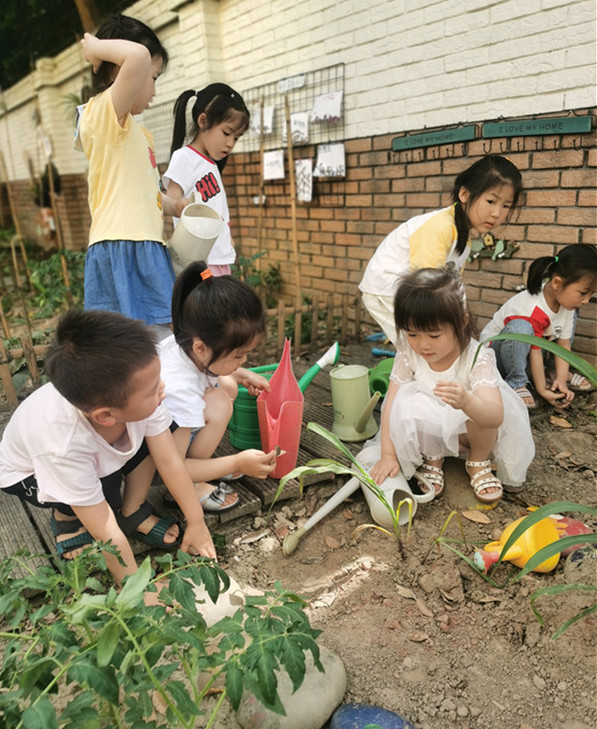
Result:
[194,236]
[395,490]
[353,403]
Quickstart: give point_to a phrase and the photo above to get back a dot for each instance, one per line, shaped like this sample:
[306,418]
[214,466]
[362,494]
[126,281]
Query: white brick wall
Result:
[410,64]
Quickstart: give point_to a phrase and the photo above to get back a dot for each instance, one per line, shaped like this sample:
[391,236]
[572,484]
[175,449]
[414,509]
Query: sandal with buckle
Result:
[431,477]
[525,395]
[215,500]
[155,536]
[576,382]
[483,480]
[78,541]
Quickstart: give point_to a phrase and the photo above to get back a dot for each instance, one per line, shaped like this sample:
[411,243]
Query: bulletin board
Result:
[302,90]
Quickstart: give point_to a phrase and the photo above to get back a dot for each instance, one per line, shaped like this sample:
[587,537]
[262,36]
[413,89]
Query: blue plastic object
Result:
[363,716]
[377,352]
[377,337]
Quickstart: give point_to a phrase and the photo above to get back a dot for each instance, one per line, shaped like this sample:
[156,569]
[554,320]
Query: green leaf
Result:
[234,685]
[41,715]
[38,672]
[558,590]
[182,699]
[134,586]
[107,642]
[80,711]
[579,616]
[574,360]
[101,680]
[267,678]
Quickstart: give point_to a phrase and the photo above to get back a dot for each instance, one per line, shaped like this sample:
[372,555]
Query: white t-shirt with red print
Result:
[194,172]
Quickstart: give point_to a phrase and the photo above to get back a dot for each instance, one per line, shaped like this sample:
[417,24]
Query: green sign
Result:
[538,127]
[429,139]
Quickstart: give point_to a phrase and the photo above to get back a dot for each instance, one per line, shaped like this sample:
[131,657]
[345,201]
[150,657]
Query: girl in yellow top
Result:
[483,196]
[127,268]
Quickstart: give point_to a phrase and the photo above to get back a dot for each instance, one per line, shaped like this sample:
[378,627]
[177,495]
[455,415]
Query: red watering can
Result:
[280,413]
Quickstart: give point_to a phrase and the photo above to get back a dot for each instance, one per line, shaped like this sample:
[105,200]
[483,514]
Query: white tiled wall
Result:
[410,64]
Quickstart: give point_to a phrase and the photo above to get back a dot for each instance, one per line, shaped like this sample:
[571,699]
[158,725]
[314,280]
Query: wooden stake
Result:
[261,185]
[6,378]
[59,238]
[297,268]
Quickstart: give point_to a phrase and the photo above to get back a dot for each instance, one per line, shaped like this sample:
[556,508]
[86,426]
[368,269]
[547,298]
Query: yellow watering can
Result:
[536,537]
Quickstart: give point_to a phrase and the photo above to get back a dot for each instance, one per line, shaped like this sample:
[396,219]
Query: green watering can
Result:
[353,404]
[243,428]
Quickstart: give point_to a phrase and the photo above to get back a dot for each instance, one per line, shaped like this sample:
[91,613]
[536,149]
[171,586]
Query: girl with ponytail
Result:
[484,196]
[556,287]
[217,321]
[199,152]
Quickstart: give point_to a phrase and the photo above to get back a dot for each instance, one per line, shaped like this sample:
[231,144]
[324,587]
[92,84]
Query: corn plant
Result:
[327,465]
[574,360]
[114,657]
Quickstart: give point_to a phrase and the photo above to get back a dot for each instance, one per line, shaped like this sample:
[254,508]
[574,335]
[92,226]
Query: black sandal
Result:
[155,536]
[69,526]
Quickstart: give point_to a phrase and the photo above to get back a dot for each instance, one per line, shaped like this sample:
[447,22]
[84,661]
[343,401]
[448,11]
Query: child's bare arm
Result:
[100,522]
[388,463]
[174,201]
[178,482]
[134,62]
[537,367]
[251,462]
[483,406]
[253,381]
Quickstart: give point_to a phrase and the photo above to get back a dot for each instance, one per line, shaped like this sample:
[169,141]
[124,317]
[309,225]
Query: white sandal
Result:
[431,477]
[483,480]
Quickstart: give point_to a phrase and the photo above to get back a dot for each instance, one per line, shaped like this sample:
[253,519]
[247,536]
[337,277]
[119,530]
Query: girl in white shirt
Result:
[219,119]
[217,321]
[546,309]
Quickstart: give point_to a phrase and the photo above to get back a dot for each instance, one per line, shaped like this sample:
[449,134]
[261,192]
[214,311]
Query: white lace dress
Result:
[421,423]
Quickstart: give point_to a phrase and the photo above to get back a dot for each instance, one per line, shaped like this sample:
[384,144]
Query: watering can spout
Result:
[363,419]
[329,358]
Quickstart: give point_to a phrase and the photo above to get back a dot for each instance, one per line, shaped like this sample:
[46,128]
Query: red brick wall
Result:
[339,230]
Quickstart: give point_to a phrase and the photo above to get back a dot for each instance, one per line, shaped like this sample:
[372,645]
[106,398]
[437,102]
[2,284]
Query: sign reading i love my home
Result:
[429,139]
[538,127]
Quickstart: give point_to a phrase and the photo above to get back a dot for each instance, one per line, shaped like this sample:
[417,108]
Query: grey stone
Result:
[309,707]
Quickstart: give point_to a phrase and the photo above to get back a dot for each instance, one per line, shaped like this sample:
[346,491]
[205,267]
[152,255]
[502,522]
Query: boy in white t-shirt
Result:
[99,419]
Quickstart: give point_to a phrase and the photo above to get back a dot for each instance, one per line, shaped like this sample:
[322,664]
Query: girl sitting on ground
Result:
[217,321]
[545,309]
[440,404]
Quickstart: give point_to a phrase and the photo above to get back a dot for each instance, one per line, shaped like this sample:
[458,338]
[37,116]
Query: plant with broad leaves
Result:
[327,465]
[114,656]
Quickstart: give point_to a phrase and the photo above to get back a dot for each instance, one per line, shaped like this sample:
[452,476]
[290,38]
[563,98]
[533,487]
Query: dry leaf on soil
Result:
[559,422]
[477,516]
[332,542]
[405,592]
[418,636]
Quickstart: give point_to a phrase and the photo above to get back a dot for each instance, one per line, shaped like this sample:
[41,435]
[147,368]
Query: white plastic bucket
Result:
[194,236]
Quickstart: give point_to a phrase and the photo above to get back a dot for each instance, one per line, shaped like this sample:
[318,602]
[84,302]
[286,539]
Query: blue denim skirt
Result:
[134,278]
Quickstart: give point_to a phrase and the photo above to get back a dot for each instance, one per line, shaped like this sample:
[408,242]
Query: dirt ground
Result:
[430,639]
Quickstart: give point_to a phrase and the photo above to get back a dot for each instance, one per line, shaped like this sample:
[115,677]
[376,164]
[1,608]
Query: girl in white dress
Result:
[440,404]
